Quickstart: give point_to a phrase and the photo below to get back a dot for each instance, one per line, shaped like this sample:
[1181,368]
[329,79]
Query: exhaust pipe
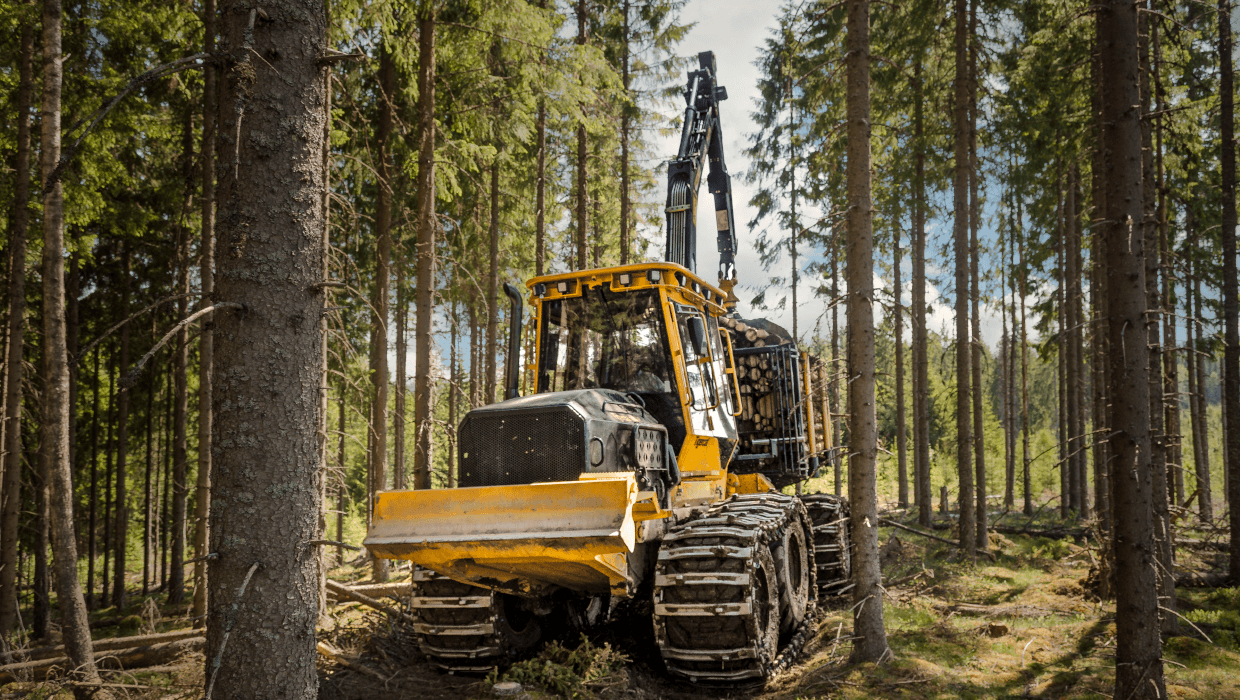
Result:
[512,381]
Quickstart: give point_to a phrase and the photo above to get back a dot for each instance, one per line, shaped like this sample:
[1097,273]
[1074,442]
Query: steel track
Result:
[717,591]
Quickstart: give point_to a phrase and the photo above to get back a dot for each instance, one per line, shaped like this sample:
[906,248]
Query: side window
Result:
[699,368]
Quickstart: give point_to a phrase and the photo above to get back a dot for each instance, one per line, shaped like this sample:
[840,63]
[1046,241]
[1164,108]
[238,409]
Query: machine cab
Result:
[650,333]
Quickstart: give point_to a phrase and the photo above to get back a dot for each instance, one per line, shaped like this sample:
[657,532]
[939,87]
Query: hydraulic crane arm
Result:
[701,145]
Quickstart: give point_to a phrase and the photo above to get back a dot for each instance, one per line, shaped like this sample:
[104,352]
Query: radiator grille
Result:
[522,446]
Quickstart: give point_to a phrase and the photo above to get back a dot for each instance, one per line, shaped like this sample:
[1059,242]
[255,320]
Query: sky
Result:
[736,32]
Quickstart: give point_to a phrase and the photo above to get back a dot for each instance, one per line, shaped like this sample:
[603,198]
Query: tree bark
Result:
[206,344]
[1026,483]
[266,498]
[582,193]
[54,428]
[10,490]
[1075,355]
[383,290]
[964,435]
[975,346]
[120,528]
[402,350]
[921,393]
[1158,440]
[1202,406]
[1138,662]
[626,120]
[868,627]
[1231,313]
[148,532]
[1098,332]
[180,369]
[92,538]
[901,434]
[425,248]
[492,349]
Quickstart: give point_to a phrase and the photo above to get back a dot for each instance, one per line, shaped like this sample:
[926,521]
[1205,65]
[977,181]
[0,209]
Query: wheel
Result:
[464,628]
[792,561]
[717,589]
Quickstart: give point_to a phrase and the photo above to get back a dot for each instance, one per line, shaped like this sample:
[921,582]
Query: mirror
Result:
[697,335]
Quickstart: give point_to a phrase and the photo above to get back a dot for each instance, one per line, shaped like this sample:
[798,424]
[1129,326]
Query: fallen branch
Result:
[124,659]
[1199,580]
[380,590]
[343,591]
[333,654]
[100,645]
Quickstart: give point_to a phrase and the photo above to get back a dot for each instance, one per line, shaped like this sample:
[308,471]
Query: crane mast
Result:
[701,146]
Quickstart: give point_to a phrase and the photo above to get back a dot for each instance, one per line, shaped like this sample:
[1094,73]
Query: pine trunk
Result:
[1231,319]
[206,345]
[964,372]
[901,434]
[425,250]
[54,424]
[268,360]
[871,643]
[975,344]
[492,349]
[383,289]
[10,490]
[120,530]
[921,392]
[1138,662]
[582,196]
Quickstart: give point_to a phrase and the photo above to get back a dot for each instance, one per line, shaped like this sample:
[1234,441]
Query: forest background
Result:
[553,123]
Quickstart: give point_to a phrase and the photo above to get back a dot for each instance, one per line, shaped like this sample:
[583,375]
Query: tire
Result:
[792,563]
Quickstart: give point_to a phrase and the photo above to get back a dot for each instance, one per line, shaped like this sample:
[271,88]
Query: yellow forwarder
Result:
[645,465]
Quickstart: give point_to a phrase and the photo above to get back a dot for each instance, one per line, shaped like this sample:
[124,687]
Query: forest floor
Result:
[1021,626]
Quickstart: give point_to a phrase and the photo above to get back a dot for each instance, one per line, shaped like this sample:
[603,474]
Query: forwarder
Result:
[645,466]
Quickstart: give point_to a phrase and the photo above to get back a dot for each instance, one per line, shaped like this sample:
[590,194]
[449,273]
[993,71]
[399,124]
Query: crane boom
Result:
[701,144]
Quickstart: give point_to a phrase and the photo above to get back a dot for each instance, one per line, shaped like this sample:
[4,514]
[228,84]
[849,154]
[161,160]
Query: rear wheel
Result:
[464,628]
[793,563]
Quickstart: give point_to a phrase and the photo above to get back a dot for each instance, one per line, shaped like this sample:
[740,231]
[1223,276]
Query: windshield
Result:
[605,340]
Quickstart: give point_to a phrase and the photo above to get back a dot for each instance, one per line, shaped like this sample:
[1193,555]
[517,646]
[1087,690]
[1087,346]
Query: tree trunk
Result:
[901,435]
[582,195]
[454,379]
[964,435]
[921,393]
[1138,662]
[1231,320]
[425,249]
[1066,495]
[1026,483]
[1075,384]
[1098,331]
[626,120]
[206,345]
[147,506]
[1158,446]
[1201,416]
[975,346]
[180,369]
[402,349]
[54,428]
[93,518]
[120,530]
[383,291]
[871,643]
[264,585]
[492,349]
[10,505]
[836,402]
[107,484]
[1170,381]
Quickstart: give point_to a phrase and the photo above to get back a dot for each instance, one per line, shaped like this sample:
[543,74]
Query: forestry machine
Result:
[642,470]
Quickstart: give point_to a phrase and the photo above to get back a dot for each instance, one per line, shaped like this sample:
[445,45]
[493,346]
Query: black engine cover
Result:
[547,437]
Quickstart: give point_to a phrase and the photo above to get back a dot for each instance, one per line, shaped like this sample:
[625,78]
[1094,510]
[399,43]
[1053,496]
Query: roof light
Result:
[566,286]
[540,289]
[626,279]
[655,276]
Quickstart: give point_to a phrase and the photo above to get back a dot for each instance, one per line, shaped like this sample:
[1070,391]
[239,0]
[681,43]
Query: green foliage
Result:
[570,673]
